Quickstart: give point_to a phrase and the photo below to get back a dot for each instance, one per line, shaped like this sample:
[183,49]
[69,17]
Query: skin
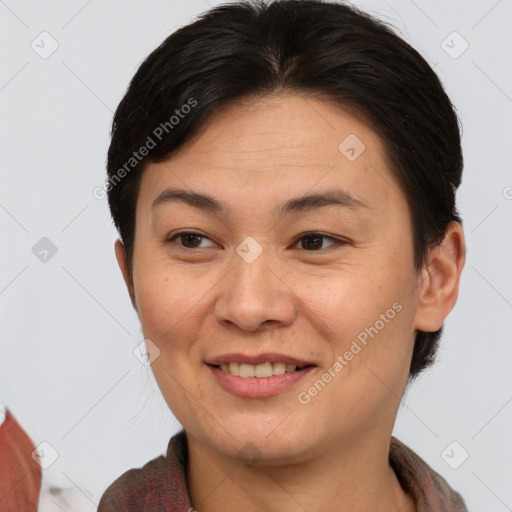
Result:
[302,298]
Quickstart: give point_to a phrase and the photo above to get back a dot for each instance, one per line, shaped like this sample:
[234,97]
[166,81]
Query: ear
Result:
[439,287]
[125,270]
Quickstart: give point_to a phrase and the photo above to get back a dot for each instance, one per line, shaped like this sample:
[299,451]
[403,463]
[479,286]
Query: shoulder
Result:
[429,490]
[134,488]
[159,485]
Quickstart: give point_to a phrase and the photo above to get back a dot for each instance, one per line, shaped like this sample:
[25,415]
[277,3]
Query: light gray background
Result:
[68,329]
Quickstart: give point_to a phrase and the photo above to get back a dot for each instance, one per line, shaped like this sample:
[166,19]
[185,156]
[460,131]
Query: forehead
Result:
[261,149]
[277,127]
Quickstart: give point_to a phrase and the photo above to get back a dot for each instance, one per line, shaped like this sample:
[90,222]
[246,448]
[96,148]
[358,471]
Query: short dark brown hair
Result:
[331,50]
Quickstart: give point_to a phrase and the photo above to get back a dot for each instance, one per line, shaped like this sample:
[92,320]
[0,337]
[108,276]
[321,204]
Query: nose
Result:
[256,296]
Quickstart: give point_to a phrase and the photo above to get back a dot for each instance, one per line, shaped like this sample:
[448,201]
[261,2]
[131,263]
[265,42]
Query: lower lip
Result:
[258,386]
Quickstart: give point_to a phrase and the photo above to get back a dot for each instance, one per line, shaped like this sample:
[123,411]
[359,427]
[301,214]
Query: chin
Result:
[256,444]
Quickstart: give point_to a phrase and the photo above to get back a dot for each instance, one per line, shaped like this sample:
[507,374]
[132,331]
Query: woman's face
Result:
[270,276]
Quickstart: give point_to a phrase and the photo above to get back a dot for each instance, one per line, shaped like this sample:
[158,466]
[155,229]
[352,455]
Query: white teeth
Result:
[246,370]
[278,368]
[263,370]
[234,368]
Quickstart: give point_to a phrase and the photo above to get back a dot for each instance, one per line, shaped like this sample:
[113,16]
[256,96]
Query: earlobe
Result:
[439,288]
[125,270]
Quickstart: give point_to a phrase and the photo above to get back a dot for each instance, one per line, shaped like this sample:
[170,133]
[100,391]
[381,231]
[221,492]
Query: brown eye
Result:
[188,239]
[313,241]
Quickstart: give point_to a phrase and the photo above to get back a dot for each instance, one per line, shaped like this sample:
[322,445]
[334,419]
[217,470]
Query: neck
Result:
[351,478]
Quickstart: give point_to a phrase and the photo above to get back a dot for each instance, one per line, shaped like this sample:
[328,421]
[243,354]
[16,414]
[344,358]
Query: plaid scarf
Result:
[160,485]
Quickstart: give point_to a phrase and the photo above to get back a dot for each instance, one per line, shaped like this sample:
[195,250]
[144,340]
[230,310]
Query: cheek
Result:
[169,310]
[348,300]
[370,333]
[166,305]
[370,315]
[368,366]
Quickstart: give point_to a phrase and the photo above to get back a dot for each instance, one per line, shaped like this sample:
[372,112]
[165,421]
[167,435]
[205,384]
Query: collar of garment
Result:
[160,485]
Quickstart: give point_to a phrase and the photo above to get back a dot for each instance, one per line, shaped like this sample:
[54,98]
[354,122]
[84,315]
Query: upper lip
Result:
[257,359]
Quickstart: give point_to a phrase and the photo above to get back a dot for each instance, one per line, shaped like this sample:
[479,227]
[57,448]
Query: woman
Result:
[283,176]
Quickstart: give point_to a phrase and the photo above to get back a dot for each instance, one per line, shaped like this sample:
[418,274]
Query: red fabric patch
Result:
[20,474]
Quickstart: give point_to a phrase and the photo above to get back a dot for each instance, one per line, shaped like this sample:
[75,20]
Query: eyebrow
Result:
[204,202]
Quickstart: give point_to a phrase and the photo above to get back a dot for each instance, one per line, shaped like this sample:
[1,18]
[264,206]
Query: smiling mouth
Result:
[264,370]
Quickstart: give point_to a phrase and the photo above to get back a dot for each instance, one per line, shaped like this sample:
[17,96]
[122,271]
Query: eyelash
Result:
[337,241]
